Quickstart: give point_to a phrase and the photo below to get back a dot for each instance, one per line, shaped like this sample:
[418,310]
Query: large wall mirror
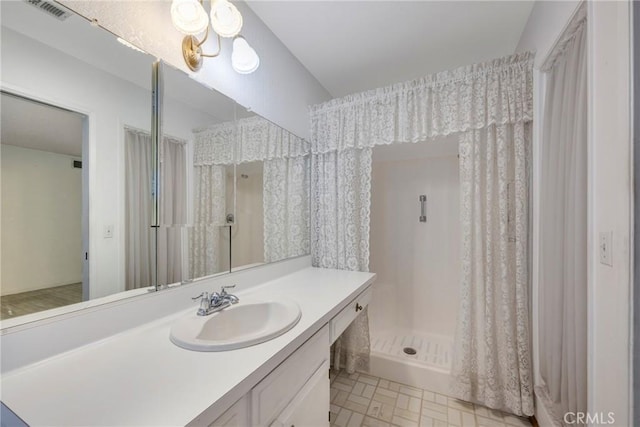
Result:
[95,205]
[73,100]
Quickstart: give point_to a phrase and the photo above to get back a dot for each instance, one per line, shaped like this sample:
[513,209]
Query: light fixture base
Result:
[192,53]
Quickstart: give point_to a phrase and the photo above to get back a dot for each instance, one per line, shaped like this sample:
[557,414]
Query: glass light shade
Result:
[244,58]
[189,17]
[226,19]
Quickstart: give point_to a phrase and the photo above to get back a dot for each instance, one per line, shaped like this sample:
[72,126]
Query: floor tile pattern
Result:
[42,299]
[360,400]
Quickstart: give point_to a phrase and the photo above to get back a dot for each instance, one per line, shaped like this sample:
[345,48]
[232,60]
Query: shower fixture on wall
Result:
[423,208]
[190,18]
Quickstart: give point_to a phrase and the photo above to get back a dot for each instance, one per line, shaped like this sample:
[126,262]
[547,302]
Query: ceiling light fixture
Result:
[190,18]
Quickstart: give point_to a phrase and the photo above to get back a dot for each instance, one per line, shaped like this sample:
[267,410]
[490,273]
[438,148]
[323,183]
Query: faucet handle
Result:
[215,299]
[204,295]
[223,291]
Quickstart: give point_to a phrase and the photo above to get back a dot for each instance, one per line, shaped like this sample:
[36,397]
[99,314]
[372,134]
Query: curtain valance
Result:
[470,97]
[251,139]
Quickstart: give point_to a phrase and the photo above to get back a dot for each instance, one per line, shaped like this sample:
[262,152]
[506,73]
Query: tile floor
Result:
[42,299]
[362,400]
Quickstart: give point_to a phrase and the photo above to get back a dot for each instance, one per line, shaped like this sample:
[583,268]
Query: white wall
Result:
[610,205]
[41,220]
[417,263]
[280,90]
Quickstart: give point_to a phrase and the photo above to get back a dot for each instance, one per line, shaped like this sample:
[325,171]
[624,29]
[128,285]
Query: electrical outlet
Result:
[605,247]
[108,231]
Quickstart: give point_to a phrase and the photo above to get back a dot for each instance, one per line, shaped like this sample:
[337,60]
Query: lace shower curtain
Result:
[563,230]
[341,199]
[286,208]
[492,359]
[494,99]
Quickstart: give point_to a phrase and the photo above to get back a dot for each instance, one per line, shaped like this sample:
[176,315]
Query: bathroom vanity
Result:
[139,377]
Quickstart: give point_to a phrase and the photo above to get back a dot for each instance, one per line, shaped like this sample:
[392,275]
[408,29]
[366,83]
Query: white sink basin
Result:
[241,325]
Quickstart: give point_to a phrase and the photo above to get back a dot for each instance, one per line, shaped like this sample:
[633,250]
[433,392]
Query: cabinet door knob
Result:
[358,307]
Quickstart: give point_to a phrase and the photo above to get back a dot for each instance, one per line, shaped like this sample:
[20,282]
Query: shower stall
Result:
[447,235]
[416,295]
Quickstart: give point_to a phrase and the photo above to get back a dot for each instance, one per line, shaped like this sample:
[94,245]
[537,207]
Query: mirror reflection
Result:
[73,101]
[196,191]
[272,194]
[248,194]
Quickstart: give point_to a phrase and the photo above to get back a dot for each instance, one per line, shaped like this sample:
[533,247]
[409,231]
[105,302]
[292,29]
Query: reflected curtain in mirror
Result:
[173,210]
[140,248]
[140,244]
[213,150]
[285,192]
[284,188]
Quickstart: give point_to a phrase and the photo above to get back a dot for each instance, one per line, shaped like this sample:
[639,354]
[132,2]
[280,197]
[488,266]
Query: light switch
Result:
[108,231]
[605,248]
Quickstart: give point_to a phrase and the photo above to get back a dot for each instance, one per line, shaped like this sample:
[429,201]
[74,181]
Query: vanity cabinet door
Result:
[309,407]
[277,390]
[236,416]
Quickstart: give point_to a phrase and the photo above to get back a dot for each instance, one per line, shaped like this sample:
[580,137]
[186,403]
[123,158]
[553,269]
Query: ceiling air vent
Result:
[53,9]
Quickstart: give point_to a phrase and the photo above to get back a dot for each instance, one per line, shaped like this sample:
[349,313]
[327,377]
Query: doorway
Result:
[44,206]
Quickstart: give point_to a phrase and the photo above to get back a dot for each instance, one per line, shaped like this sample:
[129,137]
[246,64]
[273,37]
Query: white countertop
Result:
[139,377]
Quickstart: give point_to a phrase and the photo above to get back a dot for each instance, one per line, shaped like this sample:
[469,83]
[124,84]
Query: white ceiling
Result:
[351,46]
[37,126]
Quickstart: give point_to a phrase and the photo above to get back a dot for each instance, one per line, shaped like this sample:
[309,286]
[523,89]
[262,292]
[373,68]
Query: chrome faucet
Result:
[215,302]
[228,297]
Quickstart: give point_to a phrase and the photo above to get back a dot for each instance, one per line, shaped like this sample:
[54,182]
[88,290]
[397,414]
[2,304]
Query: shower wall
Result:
[248,233]
[417,263]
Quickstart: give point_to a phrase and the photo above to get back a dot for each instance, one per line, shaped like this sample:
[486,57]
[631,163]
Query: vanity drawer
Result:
[342,320]
[272,395]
